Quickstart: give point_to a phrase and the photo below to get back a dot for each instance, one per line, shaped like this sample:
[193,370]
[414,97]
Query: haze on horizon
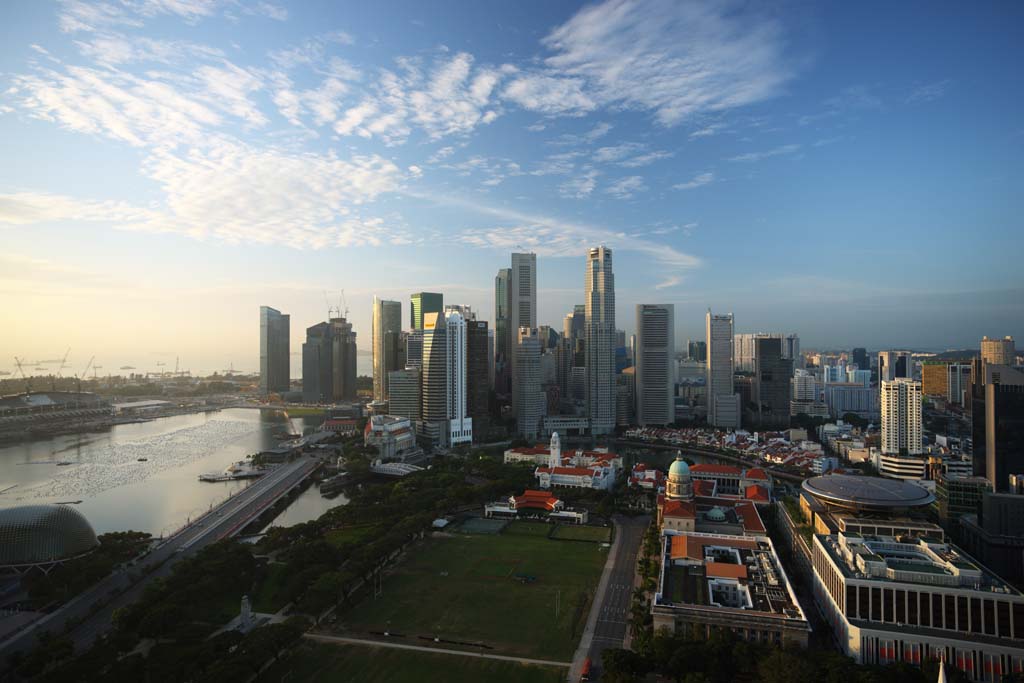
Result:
[170,167]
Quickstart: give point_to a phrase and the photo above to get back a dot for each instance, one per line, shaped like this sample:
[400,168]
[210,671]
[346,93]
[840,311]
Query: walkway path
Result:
[423,648]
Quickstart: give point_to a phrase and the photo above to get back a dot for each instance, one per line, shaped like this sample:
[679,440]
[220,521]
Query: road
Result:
[223,521]
[609,617]
[319,637]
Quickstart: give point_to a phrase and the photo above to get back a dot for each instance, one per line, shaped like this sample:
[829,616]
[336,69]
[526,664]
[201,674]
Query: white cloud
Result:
[758,156]
[698,180]
[707,131]
[616,152]
[928,92]
[589,137]
[645,159]
[677,59]
[579,187]
[310,52]
[78,15]
[24,208]
[269,10]
[550,94]
[229,86]
[627,187]
[114,49]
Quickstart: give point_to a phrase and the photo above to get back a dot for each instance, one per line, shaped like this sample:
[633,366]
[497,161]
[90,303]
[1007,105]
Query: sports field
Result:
[500,591]
[365,664]
[598,534]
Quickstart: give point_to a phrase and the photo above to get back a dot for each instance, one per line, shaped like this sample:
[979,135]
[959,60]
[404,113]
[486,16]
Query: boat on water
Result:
[243,469]
[143,459]
[64,463]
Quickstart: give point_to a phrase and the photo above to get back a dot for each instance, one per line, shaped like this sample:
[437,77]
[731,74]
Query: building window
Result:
[876,604]
[912,608]
[961,613]
[949,612]
[1003,613]
[926,610]
[901,607]
[863,604]
[887,603]
[989,611]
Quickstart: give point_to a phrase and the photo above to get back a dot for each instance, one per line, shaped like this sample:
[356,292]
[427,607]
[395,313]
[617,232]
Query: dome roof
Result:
[716,514]
[679,468]
[38,534]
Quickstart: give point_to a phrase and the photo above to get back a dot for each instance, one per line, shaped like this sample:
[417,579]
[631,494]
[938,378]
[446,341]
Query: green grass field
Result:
[350,534]
[365,664]
[521,528]
[481,600]
[598,534]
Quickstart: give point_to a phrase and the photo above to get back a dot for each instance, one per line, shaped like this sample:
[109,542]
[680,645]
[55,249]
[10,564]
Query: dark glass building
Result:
[771,388]
[275,350]
[477,364]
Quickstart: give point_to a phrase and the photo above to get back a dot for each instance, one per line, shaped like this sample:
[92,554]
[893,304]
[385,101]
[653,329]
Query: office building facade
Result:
[771,388]
[316,365]
[434,376]
[502,334]
[405,393]
[894,365]
[477,368]
[421,303]
[599,289]
[275,350]
[522,303]
[723,402]
[387,317]
[460,424]
[1004,425]
[529,397]
[655,364]
[998,351]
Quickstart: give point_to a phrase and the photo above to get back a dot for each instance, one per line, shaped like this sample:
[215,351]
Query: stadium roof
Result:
[866,494]
[43,534]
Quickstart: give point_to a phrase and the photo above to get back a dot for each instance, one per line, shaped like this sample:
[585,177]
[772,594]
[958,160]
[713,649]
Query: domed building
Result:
[679,485]
[42,536]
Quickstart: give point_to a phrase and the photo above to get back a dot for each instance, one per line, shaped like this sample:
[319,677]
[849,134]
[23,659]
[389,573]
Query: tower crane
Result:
[84,372]
[28,382]
[60,369]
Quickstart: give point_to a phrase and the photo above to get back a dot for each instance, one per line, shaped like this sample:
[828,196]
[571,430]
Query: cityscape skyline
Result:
[832,160]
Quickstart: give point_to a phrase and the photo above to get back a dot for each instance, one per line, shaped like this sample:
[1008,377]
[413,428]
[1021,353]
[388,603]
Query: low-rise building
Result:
[393,436]
[533,502]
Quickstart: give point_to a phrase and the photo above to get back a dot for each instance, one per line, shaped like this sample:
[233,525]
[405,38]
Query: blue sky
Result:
[847,171]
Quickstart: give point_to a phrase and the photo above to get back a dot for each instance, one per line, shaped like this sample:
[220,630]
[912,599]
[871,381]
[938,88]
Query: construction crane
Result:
[84,372]
[60,369]
[94,369]
[28,382]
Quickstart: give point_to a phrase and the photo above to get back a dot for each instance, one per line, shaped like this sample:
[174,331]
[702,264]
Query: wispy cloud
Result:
[579,187]
[758,156]
[673,58]
[698,180]
[626,187]
[550,95]
[708,131]
[928,92]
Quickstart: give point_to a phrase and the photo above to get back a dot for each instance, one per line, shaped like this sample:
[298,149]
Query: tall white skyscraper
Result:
[901,416]
[434,379]
[522,303]
[655,364]
[460,426]
[723,401]
[387,317]
[529,398]
[804,386]
[599,344]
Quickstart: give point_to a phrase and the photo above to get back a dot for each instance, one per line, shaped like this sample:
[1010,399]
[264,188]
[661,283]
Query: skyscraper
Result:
[423,302]
[1004,425]
[460,425]
[999,351]
[343,360]
[522,294]
[477,368]
[502,339]
[958,384]
[600,340]
[387,317]
[655,362]
[771,387]
[529,399]
[434,376]
[404,386]
[723,402]
[275,350]
[317,378]
[859,356]
[697,350]
[414,349]
[901,416]
[791,350]
[894,365]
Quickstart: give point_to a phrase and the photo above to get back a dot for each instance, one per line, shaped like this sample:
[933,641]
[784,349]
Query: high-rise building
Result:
[502,337]
[317,378]
[894,365]
[424,302]
[522,307]
[490,359]
[575,323]
[529,398]
[935,378]
[625,397]
[275,350]
[600,340]
[743,352]
[460,425]
[697,350]
[723,402]
[771,387]
[958,384]
[791,350]
[477,366]
[859,357]
[1004,425]
[343,360]
[414,349]
[434,375]
[901,416]
[998,351]
[405,393]
[655,363]
[387,317]
[804,386]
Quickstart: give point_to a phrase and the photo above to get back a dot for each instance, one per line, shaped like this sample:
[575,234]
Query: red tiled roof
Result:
[703,487]
[679,508]
[756,473]
[756,492]
[711,468]
[536,499]
[693,546]
[751,519]
[574,471]
[725,570]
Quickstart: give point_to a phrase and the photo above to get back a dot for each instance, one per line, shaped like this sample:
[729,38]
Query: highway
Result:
[223,521]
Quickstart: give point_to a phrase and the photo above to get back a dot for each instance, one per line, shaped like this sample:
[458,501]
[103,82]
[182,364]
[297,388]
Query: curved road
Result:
[224,521]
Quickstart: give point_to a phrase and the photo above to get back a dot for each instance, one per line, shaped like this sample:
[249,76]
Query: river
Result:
[119,492]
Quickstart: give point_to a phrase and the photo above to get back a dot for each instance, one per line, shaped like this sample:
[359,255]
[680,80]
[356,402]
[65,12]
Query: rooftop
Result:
[866,493]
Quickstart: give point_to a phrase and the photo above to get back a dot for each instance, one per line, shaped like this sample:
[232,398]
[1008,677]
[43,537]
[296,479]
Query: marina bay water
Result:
[144,476]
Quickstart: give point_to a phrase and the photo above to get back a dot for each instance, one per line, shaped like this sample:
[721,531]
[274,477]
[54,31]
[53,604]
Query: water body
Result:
[662,459]
[308,506]
[118,491]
